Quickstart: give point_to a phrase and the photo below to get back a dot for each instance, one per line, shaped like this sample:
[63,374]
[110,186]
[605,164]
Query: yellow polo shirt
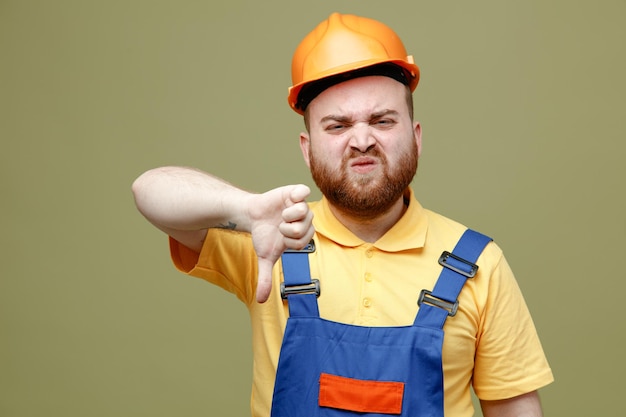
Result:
[491,342]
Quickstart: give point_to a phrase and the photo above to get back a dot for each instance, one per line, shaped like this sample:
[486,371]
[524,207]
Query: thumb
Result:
[264,280]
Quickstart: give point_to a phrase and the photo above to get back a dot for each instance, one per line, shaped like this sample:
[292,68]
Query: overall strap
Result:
[298,288]
[458,266]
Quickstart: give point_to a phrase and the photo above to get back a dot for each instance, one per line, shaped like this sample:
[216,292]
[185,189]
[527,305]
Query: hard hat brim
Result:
[412,71]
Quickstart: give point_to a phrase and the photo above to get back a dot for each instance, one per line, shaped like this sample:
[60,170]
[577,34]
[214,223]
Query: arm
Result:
[185,203]
[526,405]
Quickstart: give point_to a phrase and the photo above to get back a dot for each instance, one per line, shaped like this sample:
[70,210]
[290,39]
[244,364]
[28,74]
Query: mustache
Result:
[372,152]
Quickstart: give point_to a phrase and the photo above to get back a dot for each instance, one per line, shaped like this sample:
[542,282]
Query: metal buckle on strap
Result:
[428,298]
[469,273]
[312,288]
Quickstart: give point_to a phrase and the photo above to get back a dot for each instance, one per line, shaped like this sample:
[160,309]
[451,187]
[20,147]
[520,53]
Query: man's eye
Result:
[384,123]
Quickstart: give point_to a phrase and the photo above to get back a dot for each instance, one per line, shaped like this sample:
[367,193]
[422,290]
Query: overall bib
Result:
[331,369]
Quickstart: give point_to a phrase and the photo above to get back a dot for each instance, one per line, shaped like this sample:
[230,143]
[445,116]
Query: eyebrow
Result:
[373,116]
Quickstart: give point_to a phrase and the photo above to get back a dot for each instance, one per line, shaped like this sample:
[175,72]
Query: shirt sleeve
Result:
[227,259]
[509,357]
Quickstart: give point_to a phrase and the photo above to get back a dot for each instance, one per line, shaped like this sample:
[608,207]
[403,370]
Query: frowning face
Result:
[362,146]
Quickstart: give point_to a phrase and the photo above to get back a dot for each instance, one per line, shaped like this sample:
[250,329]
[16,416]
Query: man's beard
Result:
[365,196]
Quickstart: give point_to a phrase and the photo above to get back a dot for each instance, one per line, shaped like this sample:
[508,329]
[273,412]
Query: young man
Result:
[382,318]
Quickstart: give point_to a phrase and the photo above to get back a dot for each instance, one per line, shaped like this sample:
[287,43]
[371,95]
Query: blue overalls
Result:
[331,369]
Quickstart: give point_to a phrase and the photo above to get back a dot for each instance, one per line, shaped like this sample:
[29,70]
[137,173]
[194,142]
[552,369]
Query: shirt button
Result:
[369,253]
[368,277]
[367,303]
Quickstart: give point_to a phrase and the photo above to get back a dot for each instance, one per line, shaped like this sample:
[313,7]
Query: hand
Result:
[280,219]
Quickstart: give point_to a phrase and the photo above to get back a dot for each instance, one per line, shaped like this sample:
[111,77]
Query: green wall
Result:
[522,106]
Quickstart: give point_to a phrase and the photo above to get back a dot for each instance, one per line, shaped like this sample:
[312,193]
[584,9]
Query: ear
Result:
[305,143]
[417,132]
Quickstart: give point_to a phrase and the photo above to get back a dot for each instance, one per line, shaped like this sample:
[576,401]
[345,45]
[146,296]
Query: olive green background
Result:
[522,106]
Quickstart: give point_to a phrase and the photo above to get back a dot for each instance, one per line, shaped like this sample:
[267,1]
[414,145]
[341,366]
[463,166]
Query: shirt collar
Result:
[408,233]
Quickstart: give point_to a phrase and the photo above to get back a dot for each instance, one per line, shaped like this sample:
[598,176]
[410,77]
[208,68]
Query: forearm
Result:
[184,203]
[185,199]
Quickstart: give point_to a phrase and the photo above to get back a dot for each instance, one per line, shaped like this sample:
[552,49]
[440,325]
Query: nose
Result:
[362,138]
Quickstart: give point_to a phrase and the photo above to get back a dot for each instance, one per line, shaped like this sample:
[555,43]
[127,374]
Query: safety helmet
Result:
[344,43]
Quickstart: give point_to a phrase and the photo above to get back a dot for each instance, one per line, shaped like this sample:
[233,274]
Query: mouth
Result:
[363,164]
